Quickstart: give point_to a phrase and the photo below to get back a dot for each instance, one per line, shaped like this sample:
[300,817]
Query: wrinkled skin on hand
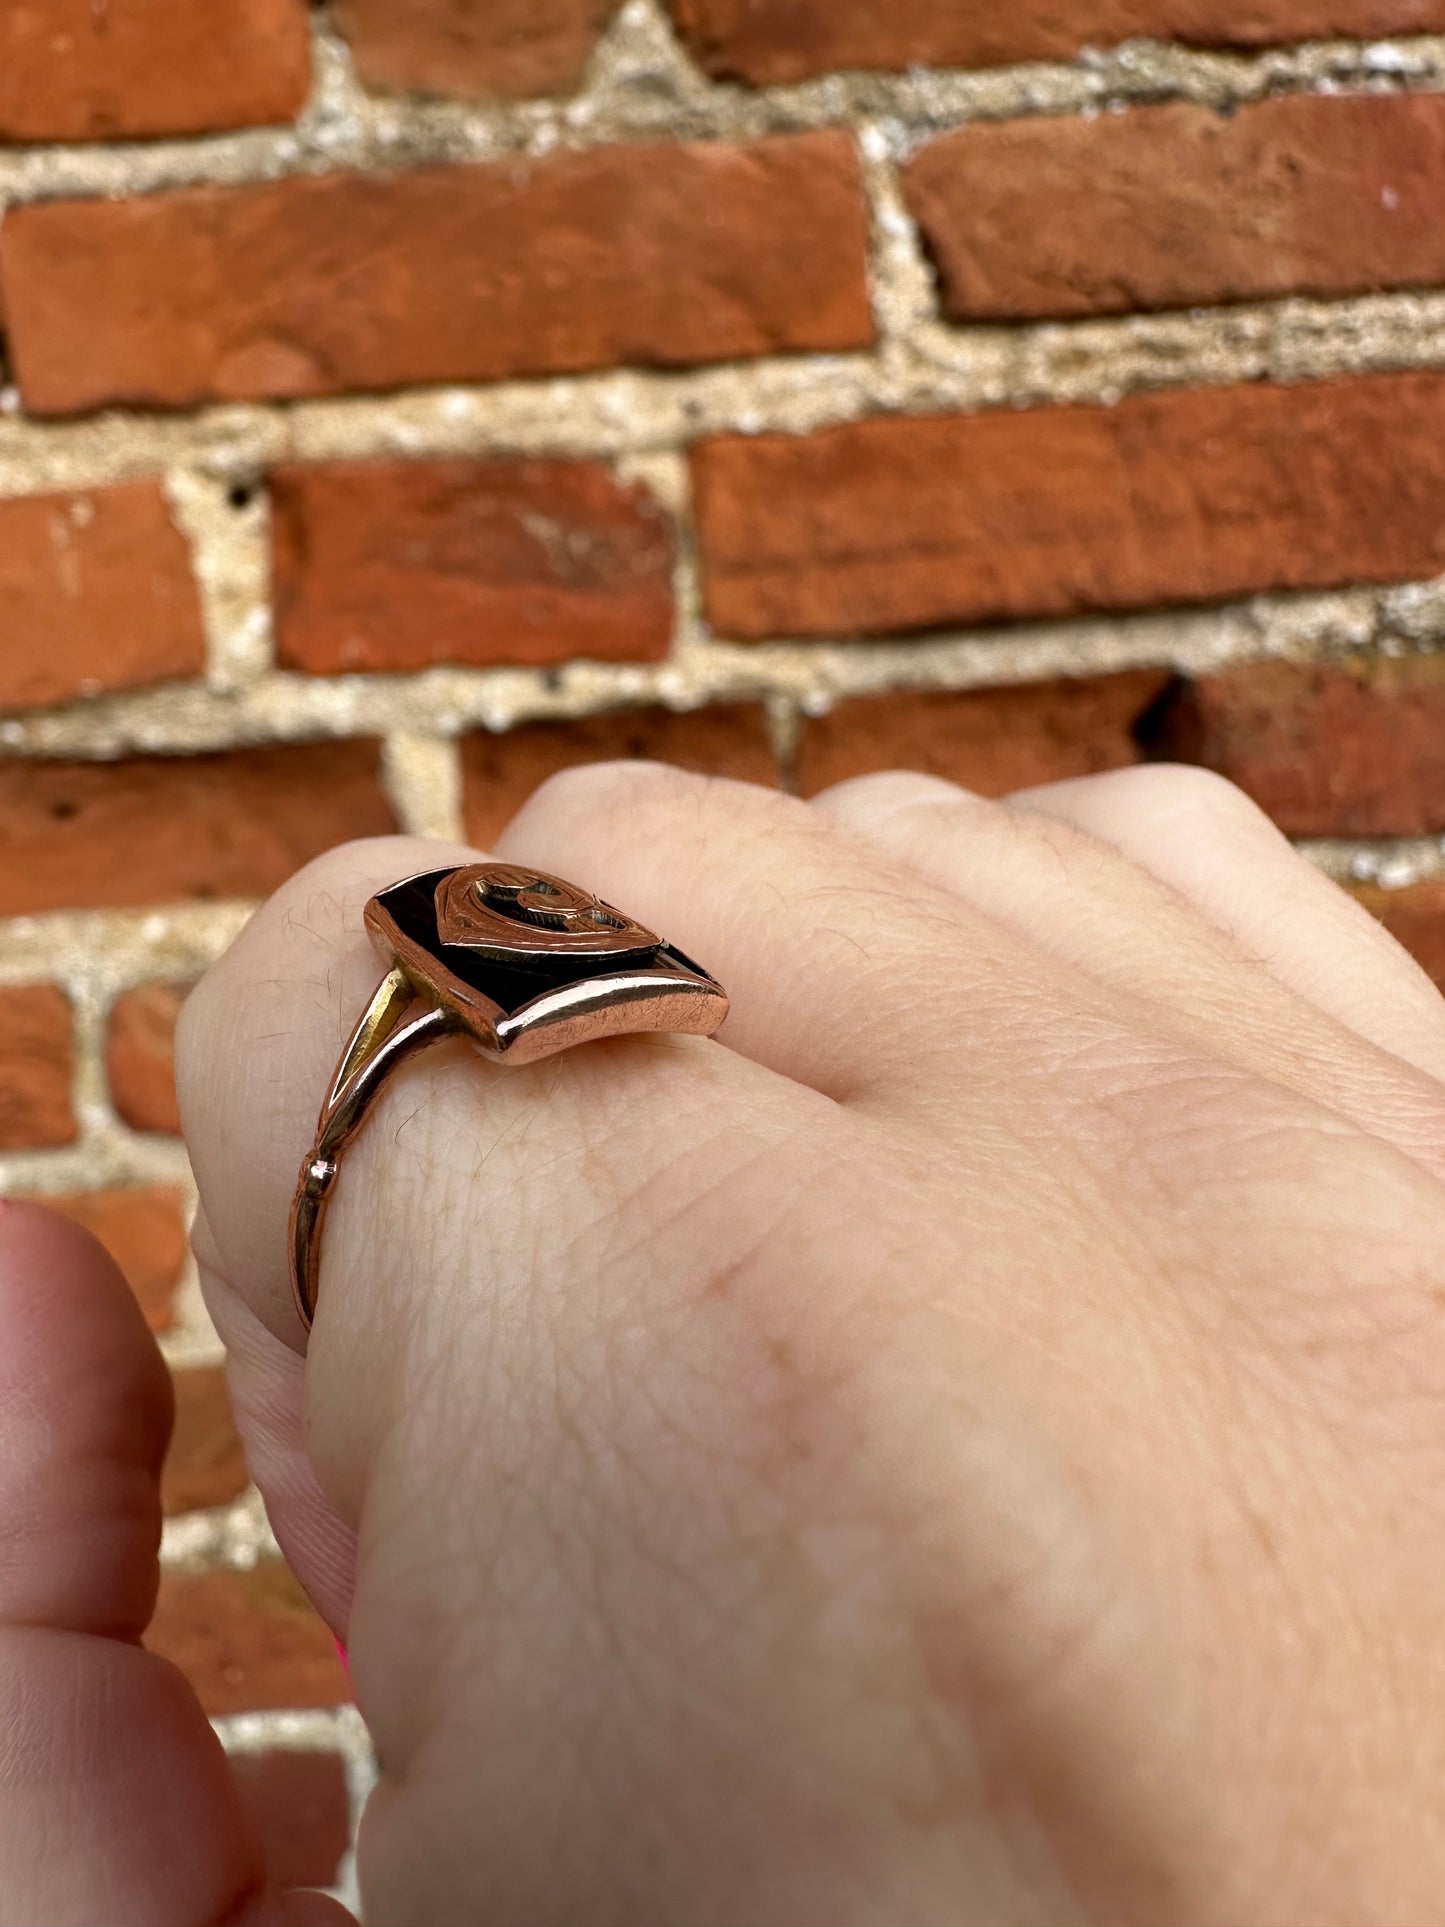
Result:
[965,1447]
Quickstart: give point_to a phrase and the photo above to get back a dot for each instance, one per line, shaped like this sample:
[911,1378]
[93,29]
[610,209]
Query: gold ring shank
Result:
[394,1026]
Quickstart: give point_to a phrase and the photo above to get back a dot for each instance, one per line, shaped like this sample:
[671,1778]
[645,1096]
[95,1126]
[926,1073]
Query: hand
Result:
[968,1450]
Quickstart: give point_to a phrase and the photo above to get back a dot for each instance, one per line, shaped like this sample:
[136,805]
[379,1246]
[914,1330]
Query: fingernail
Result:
[341,1655]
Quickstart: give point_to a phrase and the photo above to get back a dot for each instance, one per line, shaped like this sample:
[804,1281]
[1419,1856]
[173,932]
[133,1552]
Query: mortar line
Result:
[642,90]
[338,1729]
[903,285]
[234,1537]
[104,1158]
[422,776]
[225,522]
[298,1729]
[437,703]
[922,367]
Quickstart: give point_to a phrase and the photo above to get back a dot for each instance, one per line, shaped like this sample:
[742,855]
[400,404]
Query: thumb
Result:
[116,1802]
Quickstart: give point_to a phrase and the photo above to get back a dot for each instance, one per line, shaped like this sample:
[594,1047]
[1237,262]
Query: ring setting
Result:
[519,963]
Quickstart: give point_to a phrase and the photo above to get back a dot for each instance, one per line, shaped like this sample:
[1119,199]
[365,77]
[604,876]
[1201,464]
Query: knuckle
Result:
[890,792]
[586,787]
[1185,790]
[659,810]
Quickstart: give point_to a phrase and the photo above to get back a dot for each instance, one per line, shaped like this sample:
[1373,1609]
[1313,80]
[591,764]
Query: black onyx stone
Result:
[412,908]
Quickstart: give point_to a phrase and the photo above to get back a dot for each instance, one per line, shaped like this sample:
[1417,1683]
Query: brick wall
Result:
[402,401]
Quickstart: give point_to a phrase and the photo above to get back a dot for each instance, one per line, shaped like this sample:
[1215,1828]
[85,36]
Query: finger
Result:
[1208,841]
[265,1379]
[830,955]
[251,1079]
[85,1415]
[1070,894]
[116,1805]
[257,1044]
[256,1049]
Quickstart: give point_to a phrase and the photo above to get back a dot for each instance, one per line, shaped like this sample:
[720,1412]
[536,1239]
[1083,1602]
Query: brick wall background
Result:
[405,398]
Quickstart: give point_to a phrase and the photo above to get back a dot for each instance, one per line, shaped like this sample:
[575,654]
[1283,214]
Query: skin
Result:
[963,1448]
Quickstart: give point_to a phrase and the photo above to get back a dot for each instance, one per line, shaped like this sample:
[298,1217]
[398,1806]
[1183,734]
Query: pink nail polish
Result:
[341,1655]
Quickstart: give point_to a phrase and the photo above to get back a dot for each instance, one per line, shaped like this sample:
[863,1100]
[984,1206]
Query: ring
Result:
[519,963]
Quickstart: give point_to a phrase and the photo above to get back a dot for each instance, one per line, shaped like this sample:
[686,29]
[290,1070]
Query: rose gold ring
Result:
[522,965]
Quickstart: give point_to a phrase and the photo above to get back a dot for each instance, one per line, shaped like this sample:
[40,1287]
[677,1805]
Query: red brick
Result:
[144,1230]
[247,1640]
[206,1465]
[989,740]
[1170,207]
[74,71]
[37,1060]
[500,772]
[97,594]
[513,48]
[298,1804]
[1341,749]
[1416,918]
[913,523]
[772,41]
[140,1056]
[530,266]
[152,830]
[396,565]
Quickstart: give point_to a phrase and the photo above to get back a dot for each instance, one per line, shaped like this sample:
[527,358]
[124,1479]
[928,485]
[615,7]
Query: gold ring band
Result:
[522,965]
